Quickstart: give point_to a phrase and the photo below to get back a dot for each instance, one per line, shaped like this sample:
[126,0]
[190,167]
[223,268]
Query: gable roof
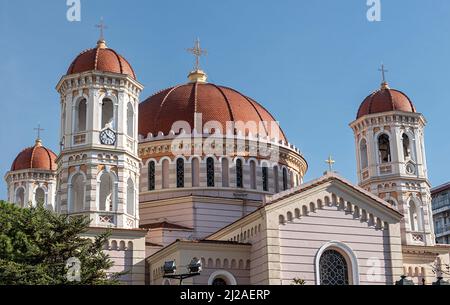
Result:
[328,177]
[165,225]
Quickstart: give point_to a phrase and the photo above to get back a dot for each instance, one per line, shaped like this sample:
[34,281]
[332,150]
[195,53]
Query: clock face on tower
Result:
[108,137]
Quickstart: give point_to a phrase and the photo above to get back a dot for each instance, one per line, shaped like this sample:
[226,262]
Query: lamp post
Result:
[404,281]
[194,269]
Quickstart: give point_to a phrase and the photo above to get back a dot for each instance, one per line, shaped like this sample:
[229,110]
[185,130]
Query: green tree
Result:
[36,245]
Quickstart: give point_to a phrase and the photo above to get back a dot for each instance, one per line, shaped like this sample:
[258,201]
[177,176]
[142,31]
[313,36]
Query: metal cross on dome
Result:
[102,28]
[39,129]
[330,163]
[383,72]
[198,52]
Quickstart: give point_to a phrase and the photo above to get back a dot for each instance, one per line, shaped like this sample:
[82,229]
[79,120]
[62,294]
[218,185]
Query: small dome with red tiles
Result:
[384,100]
[215,104]
[101,58]
[36,157]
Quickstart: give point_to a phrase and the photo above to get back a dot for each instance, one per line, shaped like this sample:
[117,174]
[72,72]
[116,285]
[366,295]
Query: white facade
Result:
[99,179]
[391,163]
[29,187]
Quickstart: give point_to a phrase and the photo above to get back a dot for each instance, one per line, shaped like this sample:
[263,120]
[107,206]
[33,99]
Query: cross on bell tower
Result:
[383,71]
[38,130]
[102,28]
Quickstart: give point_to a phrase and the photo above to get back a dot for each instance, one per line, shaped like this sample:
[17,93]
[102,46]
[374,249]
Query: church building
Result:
[200,170]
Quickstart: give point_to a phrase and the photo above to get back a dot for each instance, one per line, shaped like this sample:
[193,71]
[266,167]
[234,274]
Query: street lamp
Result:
[194,268]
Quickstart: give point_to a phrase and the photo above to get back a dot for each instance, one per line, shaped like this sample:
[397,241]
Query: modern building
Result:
[441,212]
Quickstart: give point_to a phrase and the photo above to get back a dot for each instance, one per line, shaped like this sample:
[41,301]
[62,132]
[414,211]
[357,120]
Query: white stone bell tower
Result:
[98,167]
[391,161]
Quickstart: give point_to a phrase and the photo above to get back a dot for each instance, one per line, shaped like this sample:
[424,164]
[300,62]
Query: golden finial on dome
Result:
[101,43]
[197,75]
[384,84]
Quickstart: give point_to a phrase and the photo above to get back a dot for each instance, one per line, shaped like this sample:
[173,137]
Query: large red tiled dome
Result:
[101,58]
[215,103]
[36,157]
[384,100]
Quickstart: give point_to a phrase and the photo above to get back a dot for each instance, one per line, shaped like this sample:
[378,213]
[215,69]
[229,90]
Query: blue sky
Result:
[311,63]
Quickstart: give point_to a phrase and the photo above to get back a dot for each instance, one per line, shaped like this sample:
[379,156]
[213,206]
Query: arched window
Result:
[222,277]
[130,120]
[180,172]
[363,153]
[415,217]
[106,192]
[239,182]
[406,146]
[253,174]
[275,179]
[107,114]
[195,172]
[165,174]
[218,281]
[63,119]
[151,175]
[285,179]
[77,193]
[210,172]
[333,268]
[265,178]
[20,197]
[384,148]
[130,197]
[225,172]
[39,196]
[80,116]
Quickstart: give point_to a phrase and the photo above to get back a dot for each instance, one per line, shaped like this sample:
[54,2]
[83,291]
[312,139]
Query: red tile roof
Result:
[385,100]
[215,103]
[101,58]
[36,157]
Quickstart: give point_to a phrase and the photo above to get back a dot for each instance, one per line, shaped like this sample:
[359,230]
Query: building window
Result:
[275,179]
[285,179]
[165,174]
[210,172]
[225,172]
[384,148]
[415,219]
[81,110]
[77,193]
[239,182]
[20,197]
[406,146]
[106,192]
[218,281]
[265,180]
[130,197]
[151,176]
[253,174]
[130,120]
[107,114]
[180,172]
[39,196]
[195,172]
[363,154]
[333,268]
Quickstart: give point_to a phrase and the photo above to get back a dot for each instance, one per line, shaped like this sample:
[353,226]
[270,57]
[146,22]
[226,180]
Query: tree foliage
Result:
[37,244]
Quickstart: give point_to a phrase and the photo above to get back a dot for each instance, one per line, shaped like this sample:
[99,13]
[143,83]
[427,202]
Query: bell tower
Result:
[98,167]
[391,161]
